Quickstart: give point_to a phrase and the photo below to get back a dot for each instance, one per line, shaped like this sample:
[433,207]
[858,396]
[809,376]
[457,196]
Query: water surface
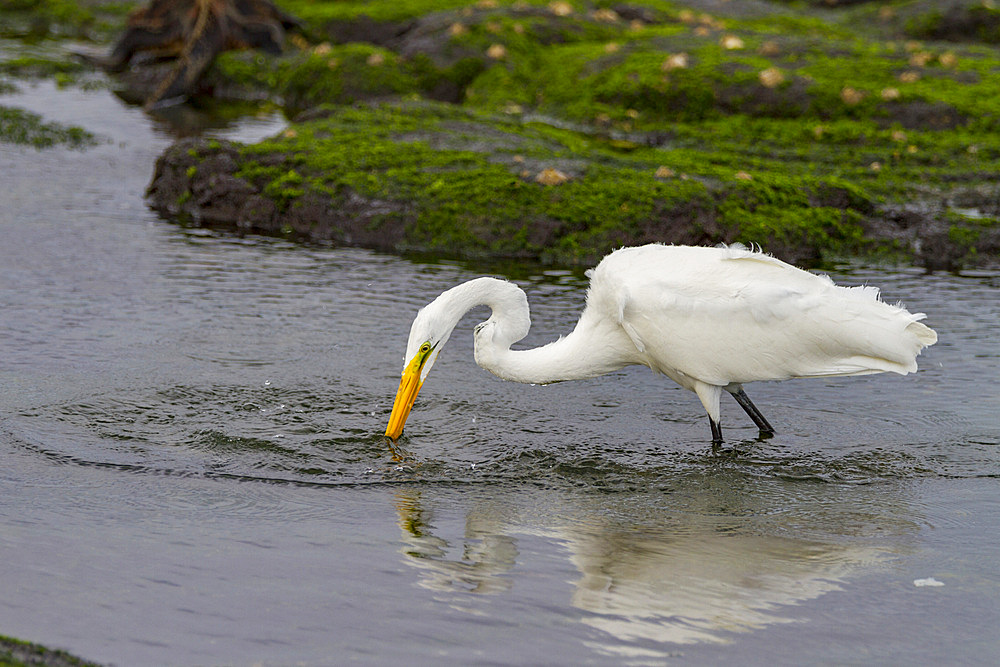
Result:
[194,473]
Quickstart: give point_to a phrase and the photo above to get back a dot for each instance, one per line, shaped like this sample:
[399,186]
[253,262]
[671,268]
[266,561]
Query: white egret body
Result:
[711,319]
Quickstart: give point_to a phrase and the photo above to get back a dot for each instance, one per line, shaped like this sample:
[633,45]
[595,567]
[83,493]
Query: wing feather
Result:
[730,314]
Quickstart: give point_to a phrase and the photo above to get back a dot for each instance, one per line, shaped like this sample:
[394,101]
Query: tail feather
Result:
[924,333]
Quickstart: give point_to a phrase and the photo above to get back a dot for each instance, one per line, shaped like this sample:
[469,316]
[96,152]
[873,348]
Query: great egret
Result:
[710,319]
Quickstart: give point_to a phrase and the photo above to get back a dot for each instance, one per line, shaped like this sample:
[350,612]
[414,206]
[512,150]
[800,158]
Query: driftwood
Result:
[189,34]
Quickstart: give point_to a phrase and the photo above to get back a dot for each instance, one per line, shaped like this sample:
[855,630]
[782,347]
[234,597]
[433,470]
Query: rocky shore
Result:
[17,653]
[558,130]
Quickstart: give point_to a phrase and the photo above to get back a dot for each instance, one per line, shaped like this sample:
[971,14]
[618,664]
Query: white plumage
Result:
[711,319]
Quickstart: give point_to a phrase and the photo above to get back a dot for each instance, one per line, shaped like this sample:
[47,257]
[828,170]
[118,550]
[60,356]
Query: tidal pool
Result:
[194,473]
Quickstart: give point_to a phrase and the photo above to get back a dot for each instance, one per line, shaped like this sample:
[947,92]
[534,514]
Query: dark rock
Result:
[195,179]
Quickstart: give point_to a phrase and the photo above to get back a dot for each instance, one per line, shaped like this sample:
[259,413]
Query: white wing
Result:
[723,315]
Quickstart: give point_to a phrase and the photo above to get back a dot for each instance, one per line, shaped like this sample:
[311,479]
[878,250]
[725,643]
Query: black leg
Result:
[751,409]
[716,431]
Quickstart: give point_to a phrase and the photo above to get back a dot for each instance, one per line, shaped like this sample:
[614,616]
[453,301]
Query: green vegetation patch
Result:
[557,129]
[318,13]
[41,67]
[467,184]
[24,127]
[328,75]
[662,74]
[36,20]
[18,653]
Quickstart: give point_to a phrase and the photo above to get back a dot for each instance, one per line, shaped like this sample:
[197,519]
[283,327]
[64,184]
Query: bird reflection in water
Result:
[702,586]
[478,566]
[676,585]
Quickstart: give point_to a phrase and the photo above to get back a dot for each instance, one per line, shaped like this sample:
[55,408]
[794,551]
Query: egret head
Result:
[434,323]
[428,334]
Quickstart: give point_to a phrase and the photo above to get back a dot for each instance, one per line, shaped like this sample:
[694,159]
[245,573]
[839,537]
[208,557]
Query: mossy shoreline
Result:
[429,177]
[18,653]
[22,127]
[557,130]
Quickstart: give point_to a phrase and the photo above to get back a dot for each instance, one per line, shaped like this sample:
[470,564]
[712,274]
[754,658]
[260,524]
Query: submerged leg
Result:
[716,431]
[709,395]
[751,410]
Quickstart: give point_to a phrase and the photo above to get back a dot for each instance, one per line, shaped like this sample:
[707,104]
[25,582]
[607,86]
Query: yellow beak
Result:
[409,385]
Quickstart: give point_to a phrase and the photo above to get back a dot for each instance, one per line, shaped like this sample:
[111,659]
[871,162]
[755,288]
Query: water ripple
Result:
[330,436]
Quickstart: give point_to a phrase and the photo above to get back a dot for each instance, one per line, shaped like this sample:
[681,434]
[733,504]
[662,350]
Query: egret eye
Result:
[425,348]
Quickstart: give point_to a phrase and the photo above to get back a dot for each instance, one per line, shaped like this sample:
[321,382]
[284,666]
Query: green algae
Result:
[18,126]
[33,35]
[319,13]
[337,75]
[638,86]
[671,124]
[38,20]
[19,653]
[470,183]
[40,67]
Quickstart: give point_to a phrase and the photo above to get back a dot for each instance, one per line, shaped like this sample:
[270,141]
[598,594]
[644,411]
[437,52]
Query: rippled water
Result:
[194,472]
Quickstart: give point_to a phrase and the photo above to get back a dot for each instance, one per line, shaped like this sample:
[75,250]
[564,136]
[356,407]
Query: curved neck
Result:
[595,347]
[437,320]
[507,301]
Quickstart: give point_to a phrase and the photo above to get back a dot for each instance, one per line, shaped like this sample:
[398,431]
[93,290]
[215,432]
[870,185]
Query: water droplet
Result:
[929,581]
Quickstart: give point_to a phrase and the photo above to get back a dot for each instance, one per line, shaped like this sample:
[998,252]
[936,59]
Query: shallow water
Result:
[194,472]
